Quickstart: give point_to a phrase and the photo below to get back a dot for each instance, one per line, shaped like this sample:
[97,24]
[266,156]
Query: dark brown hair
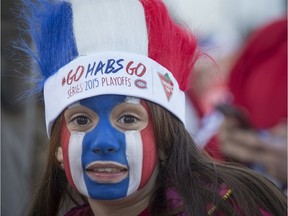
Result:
[196,178]
[53,192]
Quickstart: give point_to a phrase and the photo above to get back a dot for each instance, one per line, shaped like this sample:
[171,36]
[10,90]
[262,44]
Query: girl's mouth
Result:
[106,172]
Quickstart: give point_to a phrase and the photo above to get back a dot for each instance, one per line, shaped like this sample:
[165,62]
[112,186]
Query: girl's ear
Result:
[59,155]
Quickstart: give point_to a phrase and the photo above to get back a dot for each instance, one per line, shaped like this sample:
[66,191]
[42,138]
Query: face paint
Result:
[113,156]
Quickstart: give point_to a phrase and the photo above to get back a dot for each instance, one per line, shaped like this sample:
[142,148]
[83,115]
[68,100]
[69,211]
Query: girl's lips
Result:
[106,172]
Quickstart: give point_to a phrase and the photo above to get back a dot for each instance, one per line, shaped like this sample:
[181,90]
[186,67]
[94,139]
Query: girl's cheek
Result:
[149,154]
[65,138]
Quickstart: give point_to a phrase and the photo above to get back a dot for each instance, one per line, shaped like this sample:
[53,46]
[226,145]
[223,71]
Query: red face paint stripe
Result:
[65,138]
[149,149]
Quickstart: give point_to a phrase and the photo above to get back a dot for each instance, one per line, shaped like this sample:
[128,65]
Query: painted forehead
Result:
[105,102]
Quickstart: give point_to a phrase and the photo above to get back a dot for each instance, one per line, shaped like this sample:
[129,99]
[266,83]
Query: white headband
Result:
[112,73]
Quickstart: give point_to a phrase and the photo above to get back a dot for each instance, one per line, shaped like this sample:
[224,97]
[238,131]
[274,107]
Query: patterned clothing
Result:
[174,200]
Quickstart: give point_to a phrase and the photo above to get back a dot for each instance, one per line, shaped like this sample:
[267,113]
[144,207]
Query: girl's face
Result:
[108,146]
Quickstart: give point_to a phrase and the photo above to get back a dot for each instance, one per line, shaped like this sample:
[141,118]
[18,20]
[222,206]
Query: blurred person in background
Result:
[222,27]
[224,39]
[254,130]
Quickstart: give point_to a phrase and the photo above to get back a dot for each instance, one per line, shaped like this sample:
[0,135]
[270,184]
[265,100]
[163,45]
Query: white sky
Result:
[227,20]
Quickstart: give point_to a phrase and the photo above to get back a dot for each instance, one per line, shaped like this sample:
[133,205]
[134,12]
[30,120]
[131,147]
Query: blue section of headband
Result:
[51,31]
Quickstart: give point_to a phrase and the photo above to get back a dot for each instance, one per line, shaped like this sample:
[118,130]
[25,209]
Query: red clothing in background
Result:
[258,80]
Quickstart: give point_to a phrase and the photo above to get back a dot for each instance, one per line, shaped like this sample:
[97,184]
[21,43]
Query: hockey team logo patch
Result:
[167,84]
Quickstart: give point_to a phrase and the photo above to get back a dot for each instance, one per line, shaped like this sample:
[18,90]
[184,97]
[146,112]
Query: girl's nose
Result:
[107,149]
[106,139]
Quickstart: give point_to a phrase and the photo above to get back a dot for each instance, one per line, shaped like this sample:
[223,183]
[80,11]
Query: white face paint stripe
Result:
[134,154]
[75,161]
[132,100]
[77,103]
[122,26]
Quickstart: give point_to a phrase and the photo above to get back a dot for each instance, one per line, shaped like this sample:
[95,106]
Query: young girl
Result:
[114,79]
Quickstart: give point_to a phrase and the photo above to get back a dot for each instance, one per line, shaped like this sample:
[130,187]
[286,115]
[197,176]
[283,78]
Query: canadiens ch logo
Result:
[167,84]
[142,84]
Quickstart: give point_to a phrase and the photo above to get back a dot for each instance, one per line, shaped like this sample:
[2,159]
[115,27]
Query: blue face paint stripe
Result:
[103,137]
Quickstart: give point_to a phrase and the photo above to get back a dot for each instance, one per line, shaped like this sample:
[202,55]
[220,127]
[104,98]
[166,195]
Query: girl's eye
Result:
[128,119]
[81,120]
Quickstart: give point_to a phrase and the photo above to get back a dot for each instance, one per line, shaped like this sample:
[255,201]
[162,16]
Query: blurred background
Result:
[23,138]
[221,26]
